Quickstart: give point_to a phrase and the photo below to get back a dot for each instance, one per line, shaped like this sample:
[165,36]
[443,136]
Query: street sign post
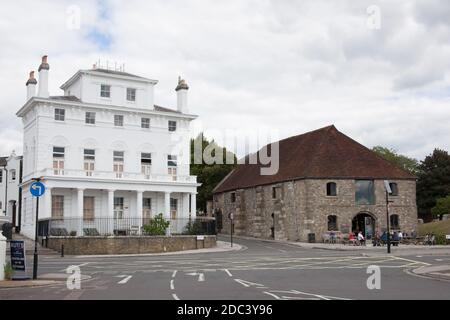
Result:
[231,216]
[37,189]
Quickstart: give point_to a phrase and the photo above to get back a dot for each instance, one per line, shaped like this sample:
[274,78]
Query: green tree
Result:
[209,175]
[442,207]
[433,183]
[409,164]
[157,226]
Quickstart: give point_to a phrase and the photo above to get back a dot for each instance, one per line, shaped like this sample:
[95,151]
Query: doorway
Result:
[365,223]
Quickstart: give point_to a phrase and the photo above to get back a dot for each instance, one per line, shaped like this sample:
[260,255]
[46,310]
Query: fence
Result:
[126,226]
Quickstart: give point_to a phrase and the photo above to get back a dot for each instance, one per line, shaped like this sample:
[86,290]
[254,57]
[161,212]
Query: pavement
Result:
[259,270]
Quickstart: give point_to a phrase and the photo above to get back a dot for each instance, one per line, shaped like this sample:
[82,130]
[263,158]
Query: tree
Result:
[442,207]
[409,164]
[433,183]
[209,175]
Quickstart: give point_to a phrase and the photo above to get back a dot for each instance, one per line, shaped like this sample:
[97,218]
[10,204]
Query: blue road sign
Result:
[37,189]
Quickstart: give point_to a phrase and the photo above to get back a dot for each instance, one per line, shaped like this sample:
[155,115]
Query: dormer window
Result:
[105,91]
[131,94]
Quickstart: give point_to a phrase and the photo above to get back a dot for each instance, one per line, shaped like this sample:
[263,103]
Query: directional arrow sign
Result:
[37,189]
[201,276]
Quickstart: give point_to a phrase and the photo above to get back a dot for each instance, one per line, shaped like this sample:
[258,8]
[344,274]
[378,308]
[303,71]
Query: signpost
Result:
[37,189]
[231,216]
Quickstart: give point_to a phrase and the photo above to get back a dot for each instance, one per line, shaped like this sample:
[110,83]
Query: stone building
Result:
[326,182]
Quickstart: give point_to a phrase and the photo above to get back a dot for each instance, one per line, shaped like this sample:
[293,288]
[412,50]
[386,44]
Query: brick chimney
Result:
[31,86]
[43,78]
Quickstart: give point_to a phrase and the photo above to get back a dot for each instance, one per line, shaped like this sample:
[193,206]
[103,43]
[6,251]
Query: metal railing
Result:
[127,226]
[113,175]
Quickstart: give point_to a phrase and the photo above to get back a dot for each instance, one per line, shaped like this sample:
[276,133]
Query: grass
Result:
[439,228]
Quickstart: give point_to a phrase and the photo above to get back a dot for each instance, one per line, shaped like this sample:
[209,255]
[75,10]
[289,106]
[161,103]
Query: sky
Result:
[378,70]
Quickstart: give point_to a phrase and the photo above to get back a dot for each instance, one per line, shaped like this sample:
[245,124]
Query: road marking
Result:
[175,296]
[172,287]
[418,256]
[228,272]
[248,284]
[174,274]
[124,280]
[201,276]
[439,260]
[412,261]
[79,266]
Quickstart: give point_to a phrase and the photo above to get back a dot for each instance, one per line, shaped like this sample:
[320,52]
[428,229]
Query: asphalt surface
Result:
[262,270]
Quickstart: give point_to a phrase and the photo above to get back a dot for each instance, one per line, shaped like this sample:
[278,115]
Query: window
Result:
[332,223]
[233,197]
[118,120]
[276,192]
[90,118]
[1,176]
[57,207]
[118,159]
[88,208]
[394,188]
[394,221]
[147,209]
[331,189]
[105,91]
[13,175]
[172,166]
[146,164]
[58,160]
[145,123]
[131,94]
[364,192]
[172,126]
[60,114]
[89,161]
[118,208]
[173,208]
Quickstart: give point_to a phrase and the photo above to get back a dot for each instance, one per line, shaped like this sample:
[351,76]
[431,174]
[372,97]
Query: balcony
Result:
[111,175]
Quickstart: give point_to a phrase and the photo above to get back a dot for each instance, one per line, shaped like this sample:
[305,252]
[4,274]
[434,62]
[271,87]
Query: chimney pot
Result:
[31,79]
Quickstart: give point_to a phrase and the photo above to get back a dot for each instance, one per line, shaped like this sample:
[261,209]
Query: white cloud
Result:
[288,65]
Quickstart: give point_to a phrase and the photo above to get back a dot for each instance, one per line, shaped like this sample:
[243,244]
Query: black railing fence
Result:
[127,226]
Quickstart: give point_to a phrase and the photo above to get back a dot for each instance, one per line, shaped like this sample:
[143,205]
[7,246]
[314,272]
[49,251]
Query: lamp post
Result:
[387,187]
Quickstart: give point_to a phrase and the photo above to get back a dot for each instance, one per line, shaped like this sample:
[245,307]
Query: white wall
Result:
[87,88]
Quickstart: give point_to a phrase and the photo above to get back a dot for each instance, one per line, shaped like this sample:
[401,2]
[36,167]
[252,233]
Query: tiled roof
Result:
[162,109]
[323,153]
[119,73]
[66,98]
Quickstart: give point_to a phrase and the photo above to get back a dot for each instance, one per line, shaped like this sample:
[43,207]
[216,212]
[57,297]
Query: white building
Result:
[10,179]
[109,157]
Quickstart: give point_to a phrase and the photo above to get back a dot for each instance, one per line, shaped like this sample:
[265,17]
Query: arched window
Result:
[394,188]
[331,189]
[394,221]
[332,223]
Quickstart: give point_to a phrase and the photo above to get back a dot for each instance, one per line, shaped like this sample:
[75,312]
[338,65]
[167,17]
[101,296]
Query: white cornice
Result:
[106,75]
[35,100]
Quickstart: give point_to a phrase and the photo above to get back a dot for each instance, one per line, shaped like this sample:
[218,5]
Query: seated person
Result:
[361,238]
[395,239]
[351,238]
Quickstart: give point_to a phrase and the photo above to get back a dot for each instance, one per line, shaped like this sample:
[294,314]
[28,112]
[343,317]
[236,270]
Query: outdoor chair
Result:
[91,232]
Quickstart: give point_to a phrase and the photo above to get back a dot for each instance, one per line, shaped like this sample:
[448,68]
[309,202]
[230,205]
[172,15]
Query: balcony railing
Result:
[123,227]
[115,176]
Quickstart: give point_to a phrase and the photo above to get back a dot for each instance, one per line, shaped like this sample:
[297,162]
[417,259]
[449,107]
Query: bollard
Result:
[2,256]
[62,251]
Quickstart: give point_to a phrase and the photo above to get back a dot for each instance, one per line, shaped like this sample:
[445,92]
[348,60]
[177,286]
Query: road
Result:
[263,270]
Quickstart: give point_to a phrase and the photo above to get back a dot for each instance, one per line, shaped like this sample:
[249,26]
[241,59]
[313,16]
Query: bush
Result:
[193,228]
[157,226]
[8,271]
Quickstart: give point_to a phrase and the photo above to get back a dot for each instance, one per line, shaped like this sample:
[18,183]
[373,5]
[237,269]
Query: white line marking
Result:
[439,260]
[175,296]
[249,284]
[171,285]
[419,256]
[125,280]
[273,295]
[174,274]
[228,272]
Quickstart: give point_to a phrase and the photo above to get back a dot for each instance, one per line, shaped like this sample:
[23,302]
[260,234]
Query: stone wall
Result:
[302,207]
[128,245]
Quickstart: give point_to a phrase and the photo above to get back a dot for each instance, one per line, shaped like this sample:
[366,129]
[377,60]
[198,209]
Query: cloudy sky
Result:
[380,74]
